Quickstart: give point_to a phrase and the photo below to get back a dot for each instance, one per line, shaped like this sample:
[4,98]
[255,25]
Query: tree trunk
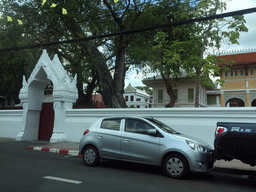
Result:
[88,48]
[89,90]
[198,79]
[171,95]
[119,75]
[80,86]
[198,70]
[104,76]
[169,90]
[84,98]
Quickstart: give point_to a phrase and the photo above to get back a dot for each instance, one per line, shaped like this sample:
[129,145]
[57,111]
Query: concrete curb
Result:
[54,150]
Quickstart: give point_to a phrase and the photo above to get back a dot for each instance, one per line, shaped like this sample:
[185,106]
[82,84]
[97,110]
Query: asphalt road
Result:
[27,170]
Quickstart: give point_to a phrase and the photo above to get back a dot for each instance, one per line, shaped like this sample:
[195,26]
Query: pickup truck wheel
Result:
[91,156]
[175,166]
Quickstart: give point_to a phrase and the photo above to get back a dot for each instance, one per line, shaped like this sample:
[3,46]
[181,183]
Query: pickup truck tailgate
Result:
[238,141]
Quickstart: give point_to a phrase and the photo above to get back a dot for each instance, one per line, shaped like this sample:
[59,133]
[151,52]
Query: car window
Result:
[112,124]
[162,126]
[137,126]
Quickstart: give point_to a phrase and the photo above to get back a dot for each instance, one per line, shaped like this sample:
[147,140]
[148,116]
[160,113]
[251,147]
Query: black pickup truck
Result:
[236,141]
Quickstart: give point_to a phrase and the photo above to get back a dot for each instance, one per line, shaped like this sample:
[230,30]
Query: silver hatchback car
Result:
[145,140]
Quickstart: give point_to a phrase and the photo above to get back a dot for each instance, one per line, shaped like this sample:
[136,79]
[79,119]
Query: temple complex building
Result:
[239,89]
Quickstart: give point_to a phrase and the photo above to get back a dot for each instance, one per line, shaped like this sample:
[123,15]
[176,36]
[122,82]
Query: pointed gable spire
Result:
[130,88]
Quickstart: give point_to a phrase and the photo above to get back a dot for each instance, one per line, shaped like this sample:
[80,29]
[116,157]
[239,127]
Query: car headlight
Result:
[196,147]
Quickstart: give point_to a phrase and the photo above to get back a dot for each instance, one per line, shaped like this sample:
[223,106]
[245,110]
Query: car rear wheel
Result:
[175,166]
[91,156]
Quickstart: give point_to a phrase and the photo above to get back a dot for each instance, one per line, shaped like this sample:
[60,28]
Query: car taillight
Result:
[220,130]
[86,131]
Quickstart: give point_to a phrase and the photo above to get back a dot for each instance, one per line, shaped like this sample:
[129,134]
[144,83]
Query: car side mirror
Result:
[152,132]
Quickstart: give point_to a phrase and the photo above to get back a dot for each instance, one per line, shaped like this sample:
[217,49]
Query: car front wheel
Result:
[175,166]
[91,156]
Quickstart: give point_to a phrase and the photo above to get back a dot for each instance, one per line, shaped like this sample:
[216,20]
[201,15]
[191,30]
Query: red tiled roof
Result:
[240,59]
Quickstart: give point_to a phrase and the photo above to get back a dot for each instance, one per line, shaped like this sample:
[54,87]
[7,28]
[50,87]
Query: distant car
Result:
[145,140]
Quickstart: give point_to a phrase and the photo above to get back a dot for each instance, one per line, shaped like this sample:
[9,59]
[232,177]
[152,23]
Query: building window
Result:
[175,93]
[138,99]
[126,98]
[241,72]
[190,95]
[211,100]
[231,73]
[226,73]
[160,96]
[236,73]
[246,71]
[251,72]
[131,98]
[146,100]
[138,106]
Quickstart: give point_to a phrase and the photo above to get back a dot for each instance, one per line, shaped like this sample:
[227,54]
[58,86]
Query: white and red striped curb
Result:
[53,150]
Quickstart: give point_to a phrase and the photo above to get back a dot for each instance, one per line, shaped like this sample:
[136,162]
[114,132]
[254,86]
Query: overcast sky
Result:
[247,40]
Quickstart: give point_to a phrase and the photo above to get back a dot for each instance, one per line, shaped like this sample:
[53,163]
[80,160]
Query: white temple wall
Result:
[197,122]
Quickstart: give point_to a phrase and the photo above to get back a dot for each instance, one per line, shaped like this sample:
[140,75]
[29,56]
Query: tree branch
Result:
[114,15]
[113,54]
[208,30]
[127,7]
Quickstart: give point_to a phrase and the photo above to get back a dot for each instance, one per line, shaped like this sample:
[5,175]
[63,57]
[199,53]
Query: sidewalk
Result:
[71,148]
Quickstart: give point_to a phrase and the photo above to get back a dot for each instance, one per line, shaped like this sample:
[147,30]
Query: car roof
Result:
[125,117]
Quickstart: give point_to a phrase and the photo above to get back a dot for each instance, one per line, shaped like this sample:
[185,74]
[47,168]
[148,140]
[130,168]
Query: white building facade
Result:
[213,98]
[184,90]
[136,98]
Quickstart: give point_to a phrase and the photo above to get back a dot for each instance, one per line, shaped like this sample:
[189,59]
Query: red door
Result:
[46,122]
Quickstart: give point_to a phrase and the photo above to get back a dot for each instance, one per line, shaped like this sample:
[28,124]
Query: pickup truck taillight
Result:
[220,130]
[86,131]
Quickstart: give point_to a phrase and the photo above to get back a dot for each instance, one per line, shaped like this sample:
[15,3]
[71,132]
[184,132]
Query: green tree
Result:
[14,64]
[104,70]
[169,47]
[186,46]
[42,24]
[126,15]
[210,35]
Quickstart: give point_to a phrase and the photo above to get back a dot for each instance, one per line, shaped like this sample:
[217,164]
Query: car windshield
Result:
[162,126]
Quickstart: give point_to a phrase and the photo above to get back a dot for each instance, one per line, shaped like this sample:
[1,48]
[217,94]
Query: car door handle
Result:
[100,136]
[126,140]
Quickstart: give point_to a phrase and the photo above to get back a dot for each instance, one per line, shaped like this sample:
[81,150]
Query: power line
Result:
[234,13]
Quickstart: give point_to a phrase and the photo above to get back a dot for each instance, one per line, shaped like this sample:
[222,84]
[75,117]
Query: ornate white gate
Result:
[32,95]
